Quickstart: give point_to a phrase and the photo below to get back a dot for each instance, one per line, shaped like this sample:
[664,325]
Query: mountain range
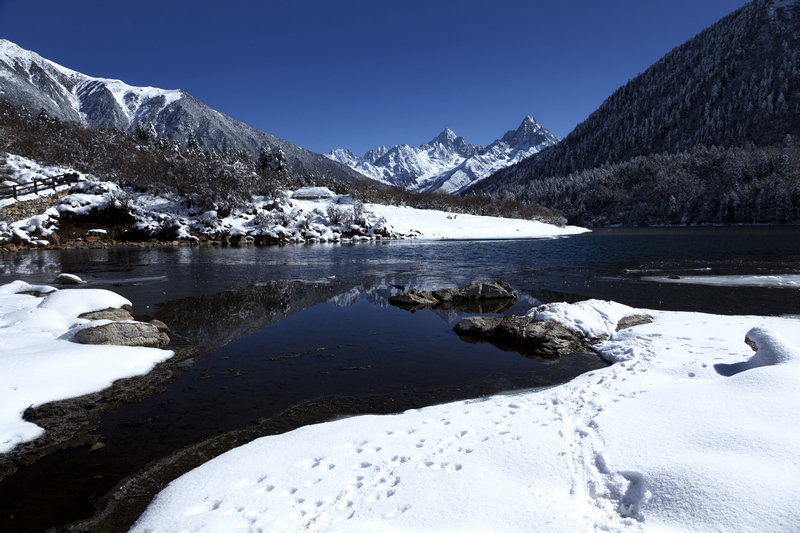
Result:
[27,79]
[447,162]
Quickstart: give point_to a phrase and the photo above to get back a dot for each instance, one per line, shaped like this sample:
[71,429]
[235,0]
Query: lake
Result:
[280,325]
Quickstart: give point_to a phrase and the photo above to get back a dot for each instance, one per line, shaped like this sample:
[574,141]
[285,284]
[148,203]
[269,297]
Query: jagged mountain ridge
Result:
[27,79]
[734,84]
[447,162]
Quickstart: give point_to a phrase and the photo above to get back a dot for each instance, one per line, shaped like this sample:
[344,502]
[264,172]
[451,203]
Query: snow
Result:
[313,193]
[782,281]
[40,362]
[687,431]
[23,171]
[591,318]
[447,162]
[280,219]
[435,225]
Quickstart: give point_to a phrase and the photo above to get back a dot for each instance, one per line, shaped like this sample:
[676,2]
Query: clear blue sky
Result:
[359,74]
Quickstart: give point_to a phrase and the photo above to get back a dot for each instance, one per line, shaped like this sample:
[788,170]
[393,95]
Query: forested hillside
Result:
[735,84]
[702,186]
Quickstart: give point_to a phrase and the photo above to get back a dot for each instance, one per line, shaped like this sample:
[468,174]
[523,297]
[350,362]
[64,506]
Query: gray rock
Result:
[545,338]
[548,338]
[633,320]
[498,290]
[115,314]
[124,334]
[163,328]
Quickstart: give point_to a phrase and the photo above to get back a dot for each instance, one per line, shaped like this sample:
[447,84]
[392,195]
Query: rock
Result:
[163,328]
[124,334]
[633,320]
[542,337]
[20,237]
[548,338]
[477,291]
[498,290]
[68,279]
[115,314]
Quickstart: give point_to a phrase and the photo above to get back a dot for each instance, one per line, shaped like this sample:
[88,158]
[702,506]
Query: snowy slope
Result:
[447,162]
[29,80]
[76,96]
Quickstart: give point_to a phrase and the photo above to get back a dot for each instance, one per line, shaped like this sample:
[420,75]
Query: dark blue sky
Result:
[360,74]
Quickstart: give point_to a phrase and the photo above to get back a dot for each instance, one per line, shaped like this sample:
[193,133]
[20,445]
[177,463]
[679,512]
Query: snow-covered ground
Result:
[20,170]
[41,363]
[783,281]
[332,218]
[688,430]
[439,225]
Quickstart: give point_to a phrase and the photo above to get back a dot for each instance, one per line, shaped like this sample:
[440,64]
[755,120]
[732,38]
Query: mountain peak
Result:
[529,133]
[447,162]
[447,138]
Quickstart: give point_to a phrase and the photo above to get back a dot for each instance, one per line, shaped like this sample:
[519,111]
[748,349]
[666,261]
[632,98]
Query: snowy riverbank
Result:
[689,430]
[41,363]
[288,217]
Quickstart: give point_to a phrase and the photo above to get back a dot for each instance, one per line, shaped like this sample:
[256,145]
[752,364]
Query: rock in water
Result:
[549,339]
[470,293]
[124,334]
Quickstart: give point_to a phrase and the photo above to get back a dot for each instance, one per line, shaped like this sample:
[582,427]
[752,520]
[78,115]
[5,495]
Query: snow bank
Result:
[438,225]
[39,364]
[783,281]
[74,302]
[661,441]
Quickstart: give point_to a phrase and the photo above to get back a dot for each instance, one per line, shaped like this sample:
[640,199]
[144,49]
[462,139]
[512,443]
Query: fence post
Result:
[35,187]
[14,191]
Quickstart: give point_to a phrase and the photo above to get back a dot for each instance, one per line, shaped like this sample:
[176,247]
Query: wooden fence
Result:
[15,191]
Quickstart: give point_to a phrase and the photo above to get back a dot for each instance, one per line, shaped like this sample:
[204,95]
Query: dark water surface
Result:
[283,324]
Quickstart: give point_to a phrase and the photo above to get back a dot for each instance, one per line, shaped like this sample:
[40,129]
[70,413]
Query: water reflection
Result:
[211,321]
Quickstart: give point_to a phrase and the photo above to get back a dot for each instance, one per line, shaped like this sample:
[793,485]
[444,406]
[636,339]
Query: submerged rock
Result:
[498,290]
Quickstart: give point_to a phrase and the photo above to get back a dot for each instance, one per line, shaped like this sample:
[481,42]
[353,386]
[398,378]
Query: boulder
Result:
[542,337]
[163,328]
[124,334]
[498,290]
[477,291]
[112,313]
[18,236]
[549,339]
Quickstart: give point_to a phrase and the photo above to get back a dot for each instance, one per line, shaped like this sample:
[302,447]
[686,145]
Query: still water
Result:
[279,325]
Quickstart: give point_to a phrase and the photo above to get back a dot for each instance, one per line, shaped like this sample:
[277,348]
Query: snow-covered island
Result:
[688,430]
[311,214]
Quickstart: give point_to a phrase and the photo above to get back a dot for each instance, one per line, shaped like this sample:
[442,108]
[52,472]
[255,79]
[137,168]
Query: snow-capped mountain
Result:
[447,162]
[27,79]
